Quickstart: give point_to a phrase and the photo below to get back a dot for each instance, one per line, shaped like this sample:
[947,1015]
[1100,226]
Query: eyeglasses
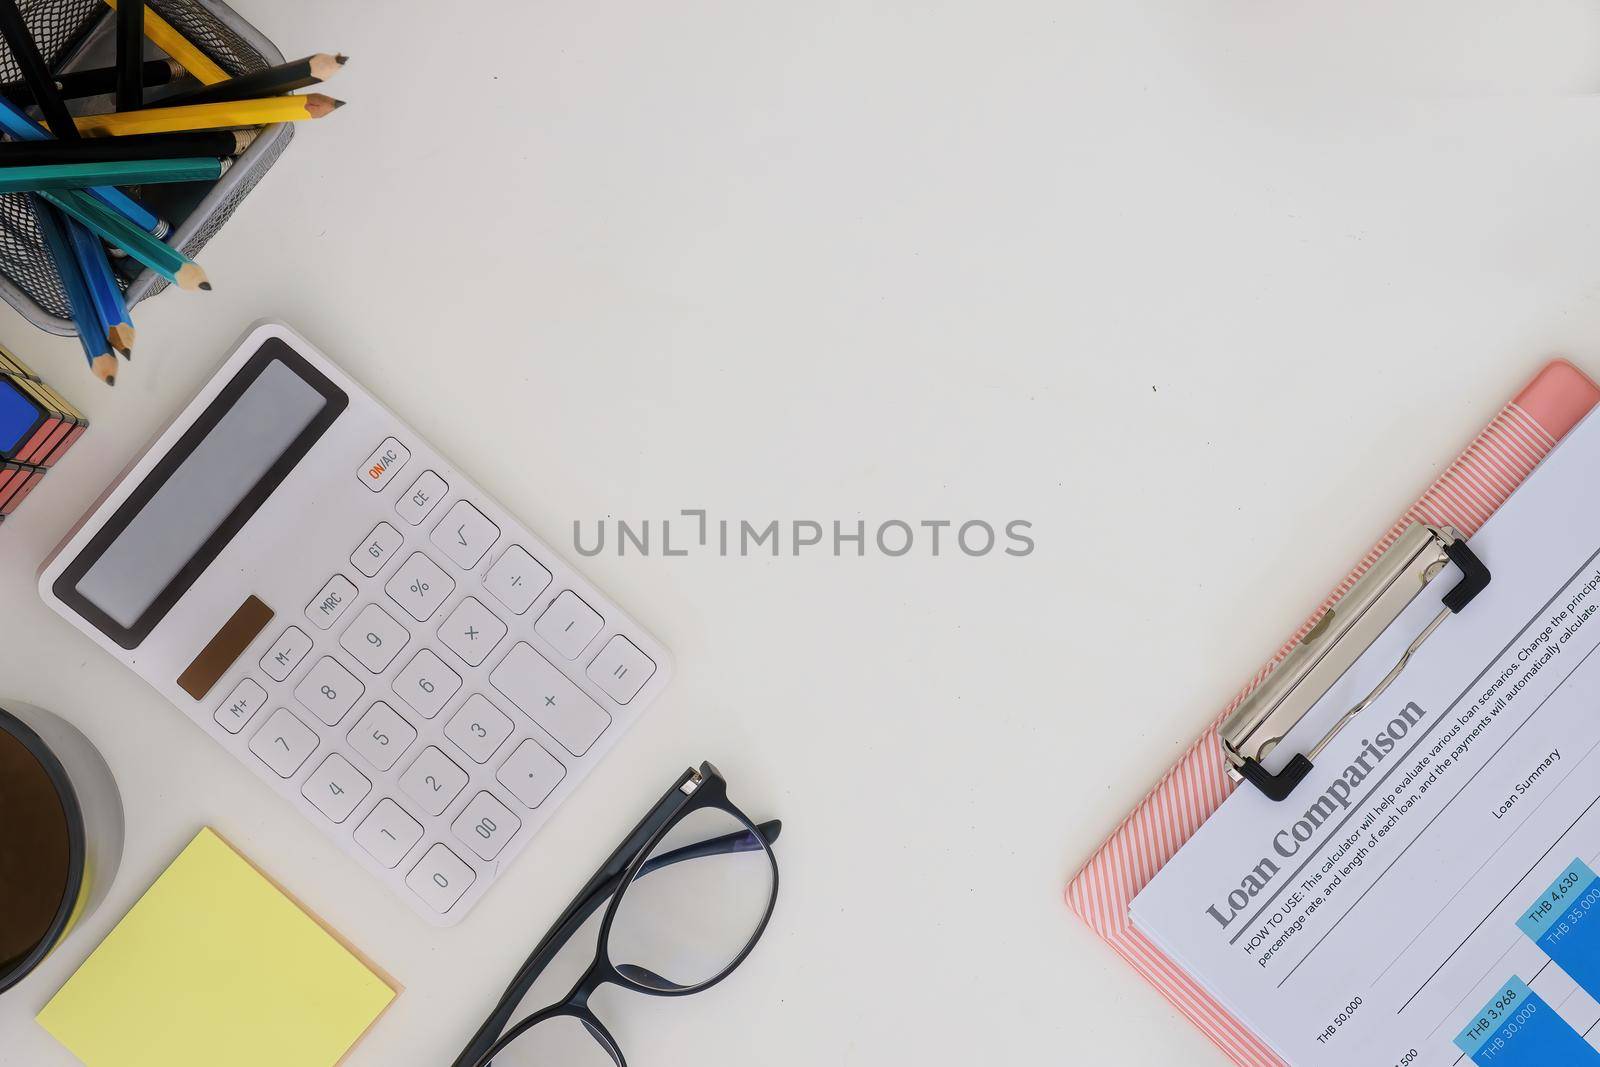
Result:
[691,890]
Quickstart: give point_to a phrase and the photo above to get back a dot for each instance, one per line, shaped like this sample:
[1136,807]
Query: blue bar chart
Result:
[1565,924]
[1518,1029]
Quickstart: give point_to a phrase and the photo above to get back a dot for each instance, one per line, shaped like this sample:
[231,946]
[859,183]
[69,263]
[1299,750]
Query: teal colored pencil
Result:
[162,258]
[15,122]
[128,172]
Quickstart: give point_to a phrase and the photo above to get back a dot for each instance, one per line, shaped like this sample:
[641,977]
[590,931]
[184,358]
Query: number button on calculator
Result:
[284,743]
[423,496]
[248,698]
[336,787]
[329,691]
[331,603]
[388,833]
[472,631]
[433,781]
[375,639]
[485,826]
[382,736]
[384,464]
[426,684]
[420,587]
[478,729]
[569,624]
[516,579]
[465,534]
[286,653]
[440,878]
[375,551]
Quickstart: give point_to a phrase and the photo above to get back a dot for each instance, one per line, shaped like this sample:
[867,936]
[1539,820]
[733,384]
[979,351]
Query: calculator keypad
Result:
[478,729]
[443,687]
[336,787]
[375,639]
[329,605]
[284,743]
[516,580]
[423,496]
[621,669]
[426,684]
[384,464]
[420,587]
[465,534]
[569,624]
[329,691]
[531,774]
[382,736]
[388,833]
[486,826]
[440,878]
[472,631]
[370,556]
[286,653]
[241,706]
[547,697]
[433,781]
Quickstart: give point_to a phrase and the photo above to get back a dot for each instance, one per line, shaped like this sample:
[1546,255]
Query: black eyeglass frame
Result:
[695,790]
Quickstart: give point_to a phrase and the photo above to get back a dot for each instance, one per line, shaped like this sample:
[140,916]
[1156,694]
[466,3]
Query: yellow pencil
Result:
[164,36]
[217,116]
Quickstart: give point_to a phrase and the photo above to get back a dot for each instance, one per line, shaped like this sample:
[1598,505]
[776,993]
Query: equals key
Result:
[621,669]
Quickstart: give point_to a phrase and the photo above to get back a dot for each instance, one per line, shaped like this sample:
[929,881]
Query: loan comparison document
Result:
[1427,897]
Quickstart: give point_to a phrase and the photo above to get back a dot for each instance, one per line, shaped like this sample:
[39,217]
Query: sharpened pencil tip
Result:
[341,59]
[192,276]
[337,104]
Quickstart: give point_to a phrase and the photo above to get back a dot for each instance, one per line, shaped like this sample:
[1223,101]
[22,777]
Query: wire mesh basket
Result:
[79,34]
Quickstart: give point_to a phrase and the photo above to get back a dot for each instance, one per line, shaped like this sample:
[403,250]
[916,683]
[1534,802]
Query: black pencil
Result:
[218,144]
[96,81]
[130,55]
[274,81]
[34,71]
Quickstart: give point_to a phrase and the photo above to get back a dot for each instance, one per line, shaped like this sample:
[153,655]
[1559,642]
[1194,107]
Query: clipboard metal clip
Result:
[1345,631]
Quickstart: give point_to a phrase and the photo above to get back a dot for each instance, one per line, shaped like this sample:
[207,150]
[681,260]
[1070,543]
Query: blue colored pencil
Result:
[110,307]
[20,126]
[53,228]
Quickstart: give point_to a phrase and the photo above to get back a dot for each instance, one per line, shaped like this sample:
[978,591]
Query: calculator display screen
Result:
[201,493]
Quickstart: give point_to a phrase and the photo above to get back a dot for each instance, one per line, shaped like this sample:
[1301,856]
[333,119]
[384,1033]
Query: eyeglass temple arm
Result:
[599,889]
[741,841]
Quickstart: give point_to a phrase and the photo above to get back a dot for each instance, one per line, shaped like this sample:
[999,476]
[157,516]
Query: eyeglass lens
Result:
[681,924]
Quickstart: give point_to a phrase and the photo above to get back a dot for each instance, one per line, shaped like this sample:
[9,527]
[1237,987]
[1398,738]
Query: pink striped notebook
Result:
[1477,483]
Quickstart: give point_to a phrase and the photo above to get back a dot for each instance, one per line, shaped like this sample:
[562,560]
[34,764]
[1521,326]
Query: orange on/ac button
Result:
[384,464]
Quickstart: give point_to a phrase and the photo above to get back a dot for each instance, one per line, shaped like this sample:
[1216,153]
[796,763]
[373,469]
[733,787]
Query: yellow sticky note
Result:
[216,965]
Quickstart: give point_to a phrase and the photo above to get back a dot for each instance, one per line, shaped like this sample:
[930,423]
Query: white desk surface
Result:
[1205,290]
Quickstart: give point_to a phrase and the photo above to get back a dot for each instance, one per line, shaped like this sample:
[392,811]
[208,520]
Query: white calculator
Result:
[357,622]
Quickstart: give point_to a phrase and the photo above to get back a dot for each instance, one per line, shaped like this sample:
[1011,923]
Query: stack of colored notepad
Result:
[37,426]
[77,168]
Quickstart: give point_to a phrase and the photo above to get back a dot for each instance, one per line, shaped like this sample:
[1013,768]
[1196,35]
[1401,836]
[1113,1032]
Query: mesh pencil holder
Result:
[79,34]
